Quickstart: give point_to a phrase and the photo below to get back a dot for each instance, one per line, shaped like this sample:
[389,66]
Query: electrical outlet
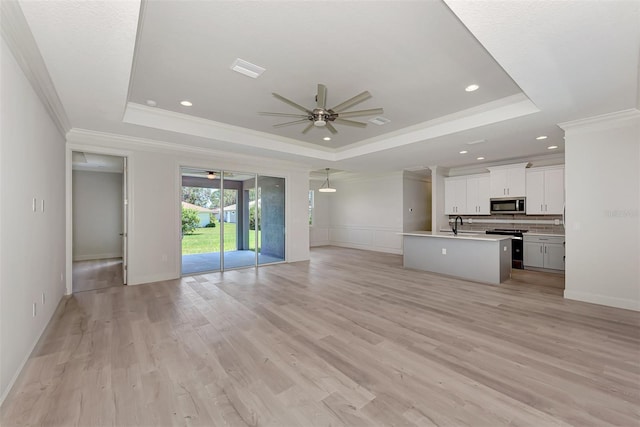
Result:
[444,251]
[505,249]
[34,309]
[164,257]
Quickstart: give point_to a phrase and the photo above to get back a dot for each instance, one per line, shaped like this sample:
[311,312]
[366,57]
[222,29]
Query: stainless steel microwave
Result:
[508,206]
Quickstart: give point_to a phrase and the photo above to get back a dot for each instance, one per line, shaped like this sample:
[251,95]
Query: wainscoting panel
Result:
[318,236]
[378,239]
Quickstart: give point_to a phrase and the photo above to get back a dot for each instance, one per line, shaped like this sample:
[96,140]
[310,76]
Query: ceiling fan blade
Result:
[308,128]
[293,104]
[350,123]
[321,97]
[361,113]
[331,128]
[265,113]
[279,125]
[352,101]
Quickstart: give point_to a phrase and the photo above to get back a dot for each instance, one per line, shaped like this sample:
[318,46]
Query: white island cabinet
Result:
[480,257]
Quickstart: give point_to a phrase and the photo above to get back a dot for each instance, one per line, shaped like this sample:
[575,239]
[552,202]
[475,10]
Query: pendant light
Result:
[326,187]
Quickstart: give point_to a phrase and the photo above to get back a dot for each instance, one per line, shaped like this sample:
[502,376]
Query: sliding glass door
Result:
[200,211]
[271,219]
[231,220]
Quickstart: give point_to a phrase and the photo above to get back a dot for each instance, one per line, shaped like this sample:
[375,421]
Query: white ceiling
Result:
[538,63]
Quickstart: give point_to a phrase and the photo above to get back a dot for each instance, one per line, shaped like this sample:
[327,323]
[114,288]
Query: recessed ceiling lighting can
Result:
[151,103]
[480,158]
[552,147]
[464,152]
[541,137]
[471,88]
[326,138]
[186,103]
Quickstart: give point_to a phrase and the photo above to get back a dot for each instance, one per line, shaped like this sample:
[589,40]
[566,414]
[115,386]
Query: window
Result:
[310,207]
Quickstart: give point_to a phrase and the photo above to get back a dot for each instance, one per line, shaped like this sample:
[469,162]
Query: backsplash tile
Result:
[512,221]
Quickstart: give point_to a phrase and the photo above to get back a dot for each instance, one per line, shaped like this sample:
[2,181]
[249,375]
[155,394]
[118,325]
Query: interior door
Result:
[125,204]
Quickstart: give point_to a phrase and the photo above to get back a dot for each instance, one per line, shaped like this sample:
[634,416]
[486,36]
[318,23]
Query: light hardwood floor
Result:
[97,274]
[349,338]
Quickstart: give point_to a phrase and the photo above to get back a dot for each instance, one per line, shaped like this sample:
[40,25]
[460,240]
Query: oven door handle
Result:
[516,238]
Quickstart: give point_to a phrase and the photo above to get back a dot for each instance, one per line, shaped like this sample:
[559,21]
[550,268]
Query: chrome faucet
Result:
[455,225]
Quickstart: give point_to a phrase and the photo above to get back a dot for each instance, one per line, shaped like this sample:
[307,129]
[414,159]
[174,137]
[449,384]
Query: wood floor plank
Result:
[349,338]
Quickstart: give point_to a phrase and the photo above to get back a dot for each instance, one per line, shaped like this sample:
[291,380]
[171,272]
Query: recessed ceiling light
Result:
[552,147]
[471,88]
[541,137]
[186,103]
[327,138]
[247,68]
[480,158]
[379,121]
[151,103]
[464,152]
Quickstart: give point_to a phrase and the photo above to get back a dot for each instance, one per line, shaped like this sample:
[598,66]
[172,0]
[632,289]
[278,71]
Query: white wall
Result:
[97,215]
[416,200]
[154,198]
[32,159]
[602,210]
[319,231]
[366,212]
[439,220]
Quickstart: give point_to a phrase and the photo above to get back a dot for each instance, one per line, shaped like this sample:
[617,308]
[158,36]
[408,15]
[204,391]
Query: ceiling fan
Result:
[321,116]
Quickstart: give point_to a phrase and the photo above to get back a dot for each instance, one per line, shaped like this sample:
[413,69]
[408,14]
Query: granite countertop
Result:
[460,236]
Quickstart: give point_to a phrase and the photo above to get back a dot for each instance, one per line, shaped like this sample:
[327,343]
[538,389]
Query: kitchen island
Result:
[478,257]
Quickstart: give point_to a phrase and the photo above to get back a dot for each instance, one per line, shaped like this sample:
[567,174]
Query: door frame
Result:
[69,149]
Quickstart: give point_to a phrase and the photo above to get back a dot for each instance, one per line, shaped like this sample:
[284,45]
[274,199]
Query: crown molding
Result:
[17,34]
[186,124]
[78,138]
[491,112]
[601,122]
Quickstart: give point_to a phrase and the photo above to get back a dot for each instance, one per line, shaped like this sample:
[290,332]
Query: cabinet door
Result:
[483,195]
[553,191]
[554,256]
[533,254]
[455,196]
[499,183]
[516,179]
[472,196]
[535,192]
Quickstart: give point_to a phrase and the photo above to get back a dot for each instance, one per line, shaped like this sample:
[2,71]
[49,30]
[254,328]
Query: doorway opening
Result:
[227,223]
[99,213]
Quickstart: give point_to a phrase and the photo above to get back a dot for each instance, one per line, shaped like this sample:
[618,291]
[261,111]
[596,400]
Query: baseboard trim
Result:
[96,256]
[367,247]
[16,375]
[603,300]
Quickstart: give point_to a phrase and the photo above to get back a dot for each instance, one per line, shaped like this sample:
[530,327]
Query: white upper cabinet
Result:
[545,191]
[508,181]
[455,195]
[467,195]
[478,195]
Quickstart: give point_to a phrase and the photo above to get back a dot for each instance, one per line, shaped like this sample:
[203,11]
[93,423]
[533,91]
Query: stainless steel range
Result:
[517,249]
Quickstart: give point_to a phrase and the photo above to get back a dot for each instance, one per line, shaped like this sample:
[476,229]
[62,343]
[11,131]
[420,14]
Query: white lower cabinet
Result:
[544,252]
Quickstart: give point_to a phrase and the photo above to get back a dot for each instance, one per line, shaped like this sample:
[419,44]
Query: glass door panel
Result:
[201,231]
[270,224]
[238,251]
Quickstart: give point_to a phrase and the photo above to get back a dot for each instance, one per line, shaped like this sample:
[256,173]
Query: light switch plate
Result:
[444,251]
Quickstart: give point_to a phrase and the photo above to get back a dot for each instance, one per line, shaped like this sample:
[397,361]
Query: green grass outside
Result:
[206,240]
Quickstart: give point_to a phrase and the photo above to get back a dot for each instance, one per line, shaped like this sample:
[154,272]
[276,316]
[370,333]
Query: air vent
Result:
[247,68]
[379,121]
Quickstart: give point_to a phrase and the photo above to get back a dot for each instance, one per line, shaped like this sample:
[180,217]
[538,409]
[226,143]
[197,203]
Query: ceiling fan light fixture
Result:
[211,175]
[247,68]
